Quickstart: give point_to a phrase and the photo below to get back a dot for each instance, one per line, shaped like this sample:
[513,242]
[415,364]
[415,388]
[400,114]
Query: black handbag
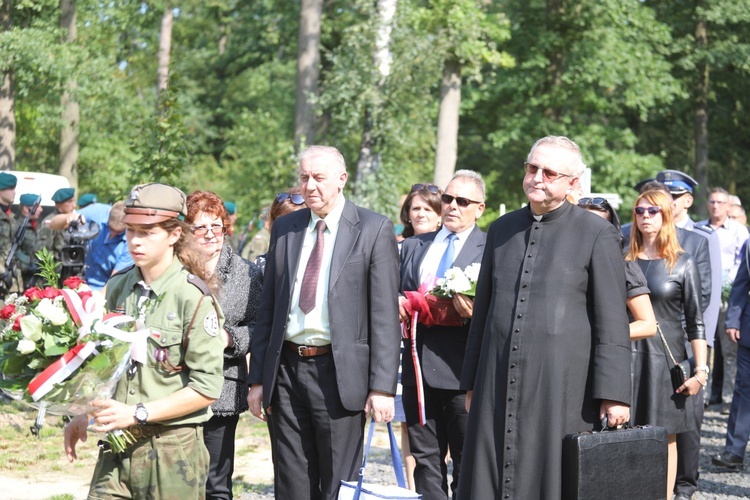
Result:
[624,463]
[679,371]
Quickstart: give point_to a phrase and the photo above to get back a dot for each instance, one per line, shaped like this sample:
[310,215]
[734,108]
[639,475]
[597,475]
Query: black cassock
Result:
[549,340]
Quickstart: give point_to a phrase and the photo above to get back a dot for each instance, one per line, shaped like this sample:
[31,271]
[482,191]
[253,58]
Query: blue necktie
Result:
[447,261]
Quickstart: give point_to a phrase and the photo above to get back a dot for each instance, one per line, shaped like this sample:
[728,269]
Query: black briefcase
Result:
[624,464]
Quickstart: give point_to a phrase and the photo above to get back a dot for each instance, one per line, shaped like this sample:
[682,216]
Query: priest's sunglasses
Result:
[296,199]
[651,210]
[430,188]
[460,201]
[201,231]
[548,174]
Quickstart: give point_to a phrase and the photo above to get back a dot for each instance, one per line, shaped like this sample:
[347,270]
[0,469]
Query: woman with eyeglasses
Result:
[420,212]
[240,286]
[674,282]
[643,322]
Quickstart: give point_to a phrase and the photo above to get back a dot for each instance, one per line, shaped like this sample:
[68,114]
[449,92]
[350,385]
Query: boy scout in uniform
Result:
[164,401]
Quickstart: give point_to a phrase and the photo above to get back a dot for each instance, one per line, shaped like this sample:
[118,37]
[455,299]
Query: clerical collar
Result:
[551,215]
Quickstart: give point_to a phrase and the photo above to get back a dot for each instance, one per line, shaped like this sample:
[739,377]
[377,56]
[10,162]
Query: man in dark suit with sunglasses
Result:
[326,342]
[433,357]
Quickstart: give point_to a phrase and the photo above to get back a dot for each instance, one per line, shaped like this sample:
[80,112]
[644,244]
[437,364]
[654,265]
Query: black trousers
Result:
[445,430]
[315,441]
[218,435]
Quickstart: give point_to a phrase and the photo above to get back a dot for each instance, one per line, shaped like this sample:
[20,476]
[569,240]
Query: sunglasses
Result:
[296,199]
[548,175]
[201,231]
[430,188]
[461,202]
[651,210]
[600,203]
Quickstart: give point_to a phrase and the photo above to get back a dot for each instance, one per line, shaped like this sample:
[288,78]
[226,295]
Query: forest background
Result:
[219,94]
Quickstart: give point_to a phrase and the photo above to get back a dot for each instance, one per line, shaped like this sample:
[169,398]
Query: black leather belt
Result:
[307,351]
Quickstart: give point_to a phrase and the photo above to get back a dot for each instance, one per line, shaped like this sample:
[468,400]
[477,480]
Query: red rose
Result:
[33,293]
[73,282]
[7,311]
[17,324]
[50,293]
[85,296]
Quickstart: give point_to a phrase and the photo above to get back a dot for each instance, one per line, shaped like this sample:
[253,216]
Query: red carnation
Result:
[73,282]
[17,324]
[7,311]
[50,293]
[33,293]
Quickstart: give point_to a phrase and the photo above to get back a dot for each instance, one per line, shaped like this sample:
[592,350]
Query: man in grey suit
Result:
[440,349]
[326,343]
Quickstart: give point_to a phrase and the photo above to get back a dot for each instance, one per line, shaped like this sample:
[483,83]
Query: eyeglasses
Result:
[431,188]
[716,202]
[651,210]
[549,175]
[461,202]
[599,203]
[201,231]
[296,199]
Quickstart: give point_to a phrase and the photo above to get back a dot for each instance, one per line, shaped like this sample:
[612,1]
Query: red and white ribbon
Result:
[410,328]
[60,370]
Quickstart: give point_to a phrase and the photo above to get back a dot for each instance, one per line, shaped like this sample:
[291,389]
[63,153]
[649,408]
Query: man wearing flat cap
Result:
[7,220]
[53,240]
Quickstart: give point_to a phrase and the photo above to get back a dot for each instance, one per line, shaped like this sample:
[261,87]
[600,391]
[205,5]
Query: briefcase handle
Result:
[398,466]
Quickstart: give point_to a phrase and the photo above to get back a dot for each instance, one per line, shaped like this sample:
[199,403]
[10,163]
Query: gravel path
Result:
[713,484]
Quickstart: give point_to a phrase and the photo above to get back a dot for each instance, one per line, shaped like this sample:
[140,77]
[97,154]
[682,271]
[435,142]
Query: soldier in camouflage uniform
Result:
[7,219]
[26,255]
[166,399]
[65,203]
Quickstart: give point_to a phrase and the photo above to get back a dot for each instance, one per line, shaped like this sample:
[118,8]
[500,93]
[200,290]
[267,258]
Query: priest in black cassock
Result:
[548,352]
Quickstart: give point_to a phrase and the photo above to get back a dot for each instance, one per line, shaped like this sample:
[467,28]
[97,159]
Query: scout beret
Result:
[86,199]
[63,194]
[677,182]
[7,180]
[153,203]
[29,199]
[231,207]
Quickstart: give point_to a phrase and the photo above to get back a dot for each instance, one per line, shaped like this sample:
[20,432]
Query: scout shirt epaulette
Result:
[199,284]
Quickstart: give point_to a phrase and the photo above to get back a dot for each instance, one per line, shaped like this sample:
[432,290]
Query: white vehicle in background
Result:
[38,183]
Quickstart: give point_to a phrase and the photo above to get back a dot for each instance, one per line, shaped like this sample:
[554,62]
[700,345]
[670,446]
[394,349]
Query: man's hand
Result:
[733,334]
[616,413]
[402,315]
[464,305]
[381,405]
[255,401]
[110,415]
[75,431]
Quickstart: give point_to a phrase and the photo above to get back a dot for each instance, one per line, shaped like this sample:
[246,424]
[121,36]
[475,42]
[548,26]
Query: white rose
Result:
[31,327]
[472,272]
[460,283]
[26,346]
[53,312]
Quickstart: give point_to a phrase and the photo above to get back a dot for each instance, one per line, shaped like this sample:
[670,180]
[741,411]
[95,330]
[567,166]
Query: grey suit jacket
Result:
[441,348]
[362,304]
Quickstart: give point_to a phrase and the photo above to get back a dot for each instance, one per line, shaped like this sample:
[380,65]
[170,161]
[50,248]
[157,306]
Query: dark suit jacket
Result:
[738,311]
[441,348]
[362,304]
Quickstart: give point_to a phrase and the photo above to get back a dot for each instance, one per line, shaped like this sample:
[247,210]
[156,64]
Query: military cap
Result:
[63,194]
[231,207]
[86,199]
[642,183]
[153,203]
[7,180]
[677,182]
[29,199]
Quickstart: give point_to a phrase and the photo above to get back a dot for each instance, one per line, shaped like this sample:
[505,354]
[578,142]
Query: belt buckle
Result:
[301,349]
[137,431]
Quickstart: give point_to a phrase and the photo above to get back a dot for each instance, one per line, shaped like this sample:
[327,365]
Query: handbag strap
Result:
[398,467]
[664,341]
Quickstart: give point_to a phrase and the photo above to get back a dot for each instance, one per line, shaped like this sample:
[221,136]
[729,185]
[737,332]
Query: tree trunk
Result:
[70,108]
[7,103]
[308,62]
[165,47]
[700,115]
[369,159]
[447,129]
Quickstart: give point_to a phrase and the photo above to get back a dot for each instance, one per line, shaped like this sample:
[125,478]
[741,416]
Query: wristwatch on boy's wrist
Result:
[141,414]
